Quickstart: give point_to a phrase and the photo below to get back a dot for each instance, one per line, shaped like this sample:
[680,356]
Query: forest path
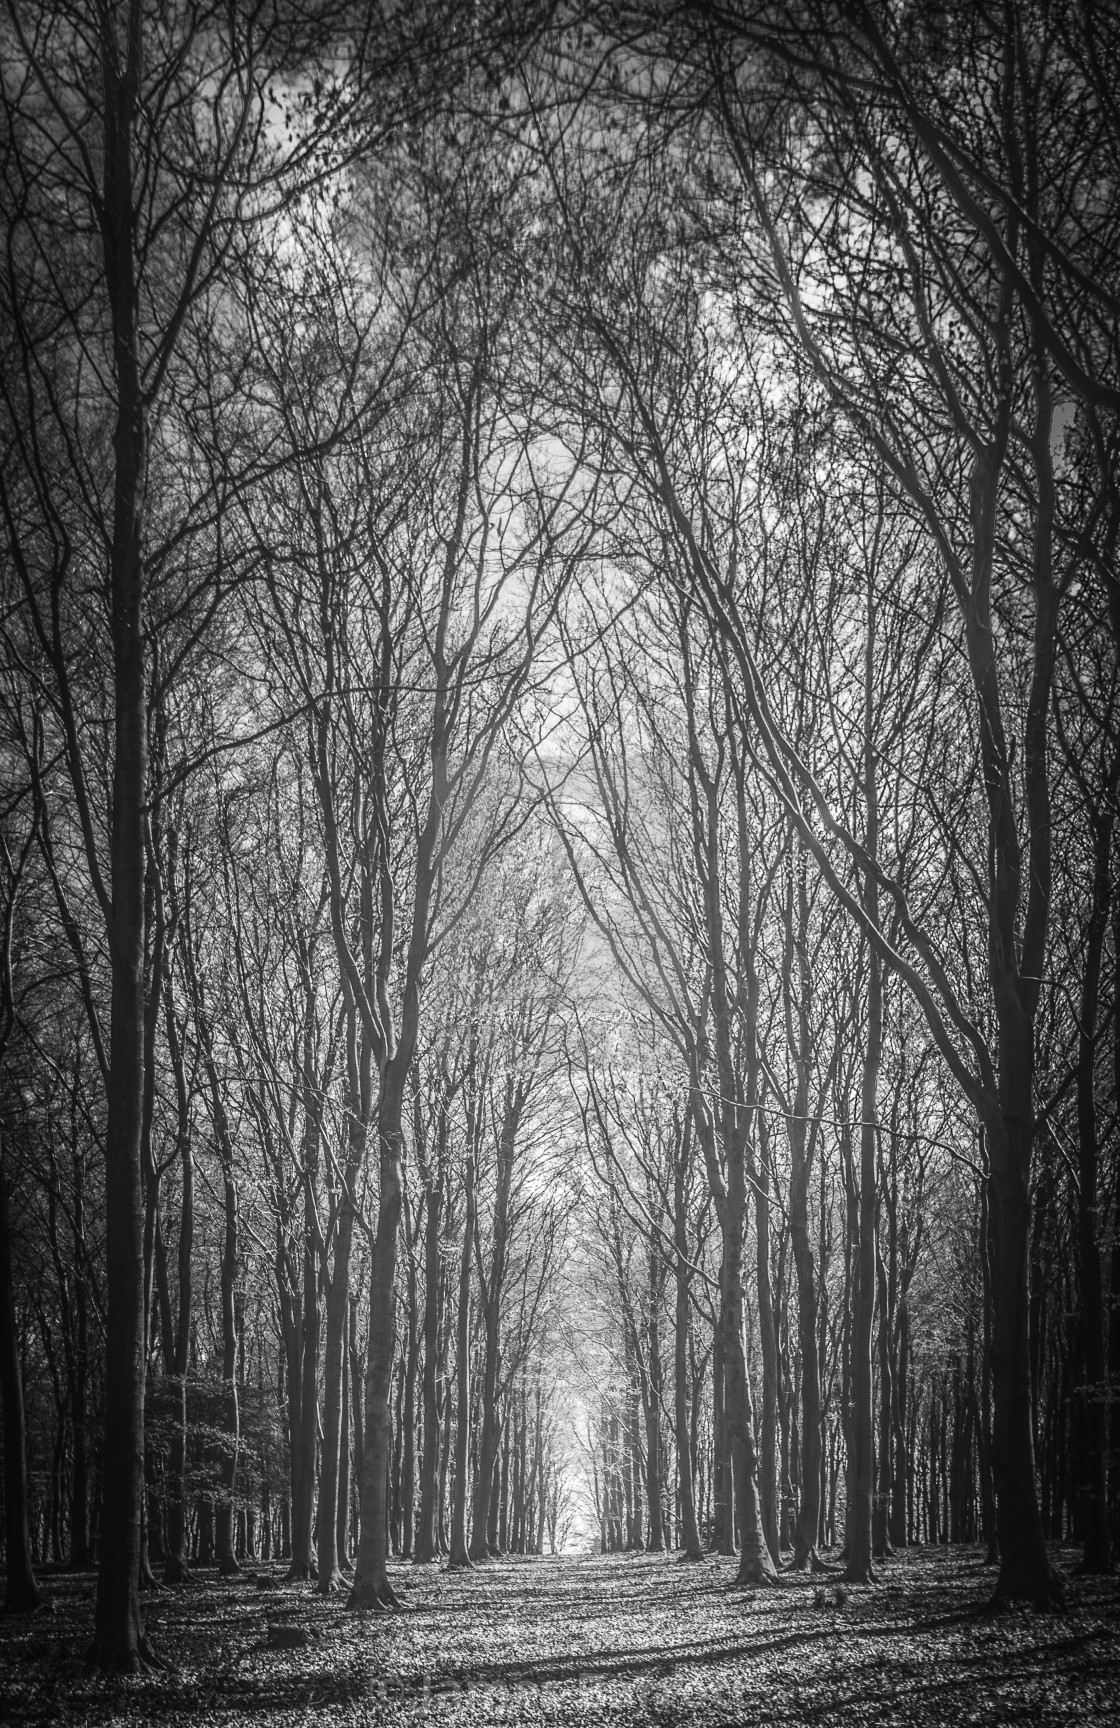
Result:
[623,1639]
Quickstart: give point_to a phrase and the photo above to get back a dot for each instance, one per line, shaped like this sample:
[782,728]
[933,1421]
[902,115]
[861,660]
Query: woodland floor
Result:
[629,1639]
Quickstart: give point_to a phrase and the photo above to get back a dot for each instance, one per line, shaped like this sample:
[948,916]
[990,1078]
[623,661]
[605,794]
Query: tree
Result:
[21,1594]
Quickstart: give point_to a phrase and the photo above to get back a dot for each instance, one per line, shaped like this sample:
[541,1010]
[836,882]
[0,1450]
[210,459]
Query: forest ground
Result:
[624,1639]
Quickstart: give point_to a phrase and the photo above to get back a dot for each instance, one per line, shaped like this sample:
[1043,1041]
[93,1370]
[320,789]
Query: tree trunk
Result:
[459,1554]
[371,1588]
[118,1639]
[81,1549]
[508,1430]
[332,1502]
[1092,1486]
[481,1542]
[175,1567]
[231,1409]
[427,1537]
[755,1564]
[861,1507]
[542,1506]
[987,1488]
[303,1485]
[356,1383]
[408,1462]
[652,1404]
[768,1432]
[690,1534]
[900,1520]
[808,1511]
[444,1443]
[22,1591]
[1024,1568]
[342,1521]
[723,1510]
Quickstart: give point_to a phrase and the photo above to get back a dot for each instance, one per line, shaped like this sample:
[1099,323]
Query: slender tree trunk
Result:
[22,1590]
[371,1588]
[690,1534]
[444,1445]
[332,1502]
[1092,1486]
[175,1567]
[356,1383]
[768,1430]
[427,1538]
[231,1408]
[481,1540]
[501,1544]
[987,1487]
[155,925]
[656,1541]
[1025,1570]
[459,1554]
[303,1485]
[542,1501]
[408,1461]
[81,1550]
[900,1521]
[723,1509]
[809,1450]
[884,1467]
[342,1522]
[861,1507]
[755,1564]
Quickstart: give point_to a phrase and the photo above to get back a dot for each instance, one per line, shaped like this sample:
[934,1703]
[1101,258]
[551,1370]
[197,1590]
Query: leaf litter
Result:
[617,1639]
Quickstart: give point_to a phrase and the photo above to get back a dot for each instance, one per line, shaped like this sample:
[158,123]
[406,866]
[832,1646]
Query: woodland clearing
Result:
[619,1639]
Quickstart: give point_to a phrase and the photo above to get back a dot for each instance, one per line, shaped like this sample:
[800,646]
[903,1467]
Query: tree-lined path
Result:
[559,761]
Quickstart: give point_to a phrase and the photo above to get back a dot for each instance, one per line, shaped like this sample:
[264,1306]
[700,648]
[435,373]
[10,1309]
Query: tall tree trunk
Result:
[1024,1566]
[334,1472]
[884,1462]
[723,1506]
[1092,1486]
[501,1542]
[231,1407]
[427,1537]
[808,1511]
[690,1533]
[652,1405]
[459,1554]
[481,1541]
[538,1546]
[332,1503]
[118,1639]
[155,925]
[444,1443]
[357,1380]
[81,1549]
[175,1566]
[303,1485]
[22,1590]
[342,1519]
[755,1564]
[900,1520]
[768,1430]
[408,1461]
[371,1587]
[861,1506]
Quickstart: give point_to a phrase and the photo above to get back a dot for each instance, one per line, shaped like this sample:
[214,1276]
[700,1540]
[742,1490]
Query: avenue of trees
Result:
[560,739]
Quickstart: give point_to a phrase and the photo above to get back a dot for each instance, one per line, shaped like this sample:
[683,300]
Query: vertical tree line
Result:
[558,710]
